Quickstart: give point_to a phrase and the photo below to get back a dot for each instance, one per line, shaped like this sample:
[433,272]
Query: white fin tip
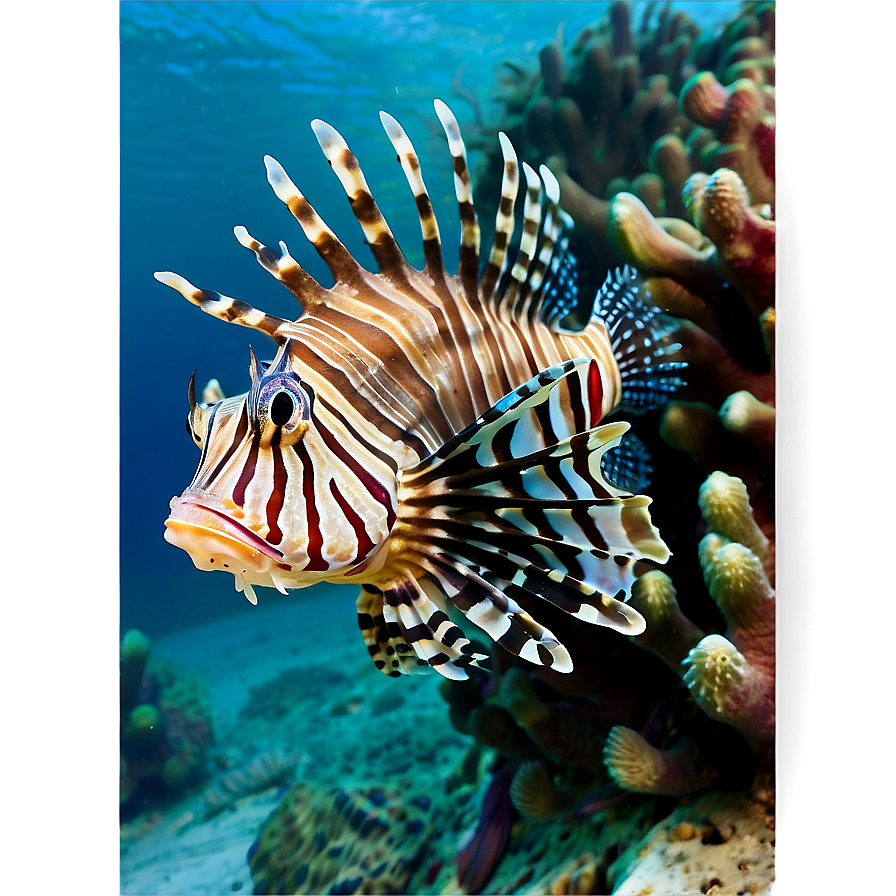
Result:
[243,236]
[279,180]
[551,184]
[449,122]
[532,180]
[327,136]
[175,281]
[393,129]
[506,147]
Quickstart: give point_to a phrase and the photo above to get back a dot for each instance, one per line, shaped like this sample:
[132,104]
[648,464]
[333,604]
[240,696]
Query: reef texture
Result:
[638,108]
[340,841]
[714,843]
[166,725]
[663,141]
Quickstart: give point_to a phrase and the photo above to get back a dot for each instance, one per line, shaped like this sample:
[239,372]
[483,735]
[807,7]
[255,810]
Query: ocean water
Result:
[207,89]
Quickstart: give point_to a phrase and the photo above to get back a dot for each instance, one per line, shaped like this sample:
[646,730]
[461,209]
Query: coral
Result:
[563,731]
[669,634]
[739,249]
[165,724]
[640,109]
[725,508]
[533,793]
[741,118]
[134,653]
[636,765]
[339,841]
[731,676]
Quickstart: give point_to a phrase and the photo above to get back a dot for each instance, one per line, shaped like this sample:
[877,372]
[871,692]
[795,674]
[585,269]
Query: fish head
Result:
[271,502]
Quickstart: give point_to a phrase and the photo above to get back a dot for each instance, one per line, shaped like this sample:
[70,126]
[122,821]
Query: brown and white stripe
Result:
[449,452]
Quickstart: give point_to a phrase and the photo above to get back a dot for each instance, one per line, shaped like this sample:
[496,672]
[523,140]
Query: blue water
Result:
[207,89]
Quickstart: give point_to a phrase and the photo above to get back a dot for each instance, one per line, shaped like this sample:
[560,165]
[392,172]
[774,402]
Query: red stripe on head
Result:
[316,562]
[278,496]
[239,492]
[365,544]
[376,489]
[595,394]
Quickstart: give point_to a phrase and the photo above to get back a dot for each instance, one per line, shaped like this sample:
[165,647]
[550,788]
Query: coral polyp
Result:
[636,765]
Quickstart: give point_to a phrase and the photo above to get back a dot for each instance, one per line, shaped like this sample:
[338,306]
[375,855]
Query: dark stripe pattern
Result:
[444,447]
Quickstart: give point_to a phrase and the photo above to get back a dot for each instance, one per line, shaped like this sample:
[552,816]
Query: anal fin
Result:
[406,632]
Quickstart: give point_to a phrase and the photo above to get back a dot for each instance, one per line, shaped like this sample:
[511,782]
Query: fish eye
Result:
[282,408]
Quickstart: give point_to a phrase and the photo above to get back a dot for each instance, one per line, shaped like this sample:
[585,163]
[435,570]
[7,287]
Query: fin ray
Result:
[640,336]
[497,521]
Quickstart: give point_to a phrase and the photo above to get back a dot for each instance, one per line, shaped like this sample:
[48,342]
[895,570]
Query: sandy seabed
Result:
[316,694]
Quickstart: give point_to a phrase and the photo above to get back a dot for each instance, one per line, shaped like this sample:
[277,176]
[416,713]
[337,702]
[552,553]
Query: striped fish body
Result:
[433,437]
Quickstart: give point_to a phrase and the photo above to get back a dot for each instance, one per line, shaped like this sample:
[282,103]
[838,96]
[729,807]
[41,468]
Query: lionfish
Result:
[432,437]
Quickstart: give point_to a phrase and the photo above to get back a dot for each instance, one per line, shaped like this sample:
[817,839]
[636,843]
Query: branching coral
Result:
[731,676]
[638,766]
[640,109]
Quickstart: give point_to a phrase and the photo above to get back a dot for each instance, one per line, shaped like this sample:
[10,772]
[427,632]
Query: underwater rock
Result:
[715,843]
[341,841]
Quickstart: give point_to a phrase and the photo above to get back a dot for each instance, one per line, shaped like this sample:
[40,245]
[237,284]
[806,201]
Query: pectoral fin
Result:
[506,511]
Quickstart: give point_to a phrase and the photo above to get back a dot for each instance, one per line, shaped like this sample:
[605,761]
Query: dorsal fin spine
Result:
[468,267]
[285,269]
[376,230]
[338,259]
[519,288]
[223,307]
[543,270]
[410,165]
[504,222]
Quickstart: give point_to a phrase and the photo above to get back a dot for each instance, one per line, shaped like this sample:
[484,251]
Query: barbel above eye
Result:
[201,413]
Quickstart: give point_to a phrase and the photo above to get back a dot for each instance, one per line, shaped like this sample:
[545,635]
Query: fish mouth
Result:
[191,518]
[214,540]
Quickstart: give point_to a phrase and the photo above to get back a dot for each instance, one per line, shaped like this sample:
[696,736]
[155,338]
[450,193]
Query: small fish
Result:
[432,437]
